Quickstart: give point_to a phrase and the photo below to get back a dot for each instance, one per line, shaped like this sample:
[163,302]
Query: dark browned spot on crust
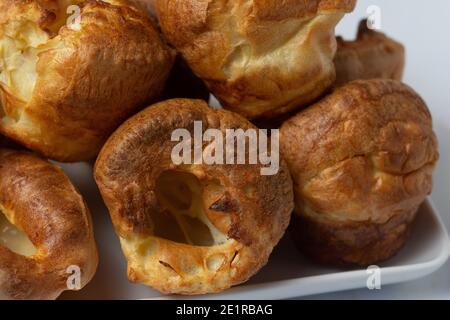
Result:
[224,204]
[239,234]
[167,265]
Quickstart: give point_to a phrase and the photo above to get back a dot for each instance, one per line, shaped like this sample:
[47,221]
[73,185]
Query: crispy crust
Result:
[372,55]
[360,159]
[39,199]
[146,5]
[258,207]
[230,45]
[89,81]
[346,244]
[182,82]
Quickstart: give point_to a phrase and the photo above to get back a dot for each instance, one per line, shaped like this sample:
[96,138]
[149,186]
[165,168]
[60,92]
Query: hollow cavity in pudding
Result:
[15,239]
[22,40]
[183,218]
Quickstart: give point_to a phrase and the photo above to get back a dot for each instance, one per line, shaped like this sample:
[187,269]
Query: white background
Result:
[423,27]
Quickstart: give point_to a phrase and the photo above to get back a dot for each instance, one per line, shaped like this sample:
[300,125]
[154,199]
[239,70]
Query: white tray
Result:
[288,273]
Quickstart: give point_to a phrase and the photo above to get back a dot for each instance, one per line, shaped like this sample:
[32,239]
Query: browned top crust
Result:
[257,207]
[364,153]
[146,5]
[372,55]
[80,84]
[262,57]
[38,198]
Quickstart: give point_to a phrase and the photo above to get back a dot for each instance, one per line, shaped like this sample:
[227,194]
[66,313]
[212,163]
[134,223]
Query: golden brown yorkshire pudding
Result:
[260,58]
[182,82]
[63,90]
[189,229]
[372,55]
[362,162]
[46,234]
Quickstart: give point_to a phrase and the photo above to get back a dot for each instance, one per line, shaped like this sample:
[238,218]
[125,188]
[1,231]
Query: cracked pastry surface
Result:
[371,55]
[260,58]
[63,90]
[189,229]
[45,228]
[362,162]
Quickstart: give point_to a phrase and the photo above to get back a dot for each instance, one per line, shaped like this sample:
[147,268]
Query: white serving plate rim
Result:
[345,280]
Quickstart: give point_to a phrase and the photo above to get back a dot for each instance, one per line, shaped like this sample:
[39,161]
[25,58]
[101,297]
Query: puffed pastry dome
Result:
[64,89]
[260,58]
[362,161]
[47,243]
[189,229]
[371,55]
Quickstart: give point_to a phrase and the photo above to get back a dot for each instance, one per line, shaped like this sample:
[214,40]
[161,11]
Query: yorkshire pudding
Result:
[372,55]
[189,229]
[362,162]
[45,230]
[65,88]
[260,58]
[182,82]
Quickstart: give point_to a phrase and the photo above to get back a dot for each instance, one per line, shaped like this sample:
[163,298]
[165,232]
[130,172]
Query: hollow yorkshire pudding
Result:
[260,58]
[372,55]
[63,90]
[362,162]
[189,229]
[46,231]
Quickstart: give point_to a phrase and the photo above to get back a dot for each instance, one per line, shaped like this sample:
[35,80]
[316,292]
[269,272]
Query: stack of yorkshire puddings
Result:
[112,80]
